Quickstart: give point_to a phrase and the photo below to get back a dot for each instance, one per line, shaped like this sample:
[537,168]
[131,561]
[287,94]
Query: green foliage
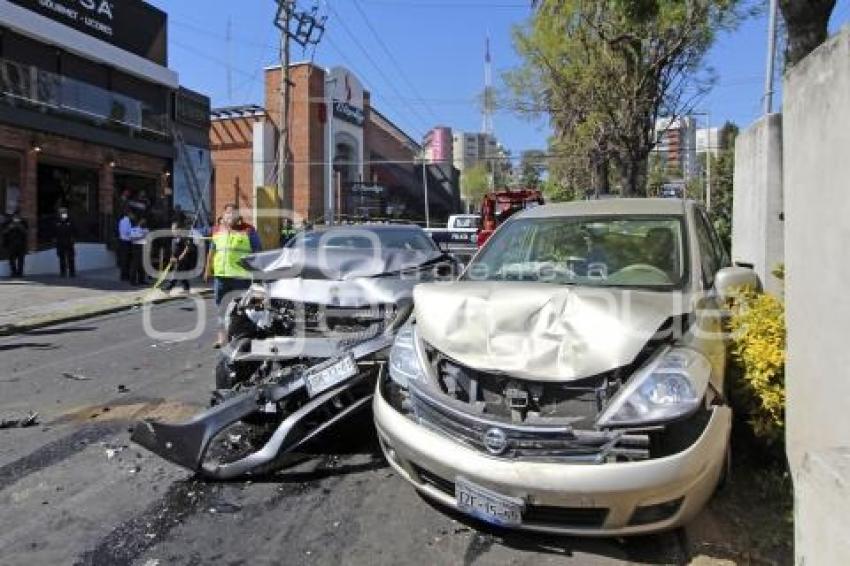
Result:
[532,165]
[475,183]
[722,174]
[758,330]
[555,191]
[604,71]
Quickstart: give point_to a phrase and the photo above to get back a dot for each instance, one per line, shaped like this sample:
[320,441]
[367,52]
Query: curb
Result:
[20,328]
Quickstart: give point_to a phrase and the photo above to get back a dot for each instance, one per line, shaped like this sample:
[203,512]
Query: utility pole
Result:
[771,58]
[284,15]
[425,186]
[308,30]
[708,163]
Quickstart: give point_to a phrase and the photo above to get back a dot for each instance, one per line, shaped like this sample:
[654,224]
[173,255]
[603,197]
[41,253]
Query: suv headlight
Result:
[404,362]
[669,387]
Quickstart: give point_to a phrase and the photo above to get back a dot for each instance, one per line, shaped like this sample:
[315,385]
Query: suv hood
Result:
[541,331]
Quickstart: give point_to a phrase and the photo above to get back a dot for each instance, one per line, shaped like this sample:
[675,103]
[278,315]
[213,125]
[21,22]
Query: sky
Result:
[422,60]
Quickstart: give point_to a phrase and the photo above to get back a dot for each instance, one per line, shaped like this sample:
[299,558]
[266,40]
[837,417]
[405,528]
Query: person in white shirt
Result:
[125,224]
[138,234]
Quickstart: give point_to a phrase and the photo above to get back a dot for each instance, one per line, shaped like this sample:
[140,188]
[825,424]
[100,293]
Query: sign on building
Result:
[131,25]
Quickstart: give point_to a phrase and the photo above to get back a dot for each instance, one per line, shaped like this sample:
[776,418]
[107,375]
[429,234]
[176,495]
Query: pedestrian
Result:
[232,240]
[181,254]
[65,244]
[287,232]
[15,241]
[125,225]
[138,237]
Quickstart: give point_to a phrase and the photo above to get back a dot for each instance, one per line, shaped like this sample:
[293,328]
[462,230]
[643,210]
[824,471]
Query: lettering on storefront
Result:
[349,113]
[131,24]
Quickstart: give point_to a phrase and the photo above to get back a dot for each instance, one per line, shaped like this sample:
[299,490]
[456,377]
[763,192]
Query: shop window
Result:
[75,189]
[10,185]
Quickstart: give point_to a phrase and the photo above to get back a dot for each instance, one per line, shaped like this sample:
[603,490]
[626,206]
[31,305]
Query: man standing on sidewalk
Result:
[65,244]
[232,240]
[125,225]
[15,242]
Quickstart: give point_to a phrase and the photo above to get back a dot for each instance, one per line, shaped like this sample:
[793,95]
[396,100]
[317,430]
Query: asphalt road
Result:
[74,490]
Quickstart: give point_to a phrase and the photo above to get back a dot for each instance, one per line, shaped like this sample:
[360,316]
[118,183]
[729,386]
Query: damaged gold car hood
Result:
[541,331]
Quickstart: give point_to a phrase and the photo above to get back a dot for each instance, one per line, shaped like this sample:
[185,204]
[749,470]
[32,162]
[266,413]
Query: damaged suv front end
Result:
[572,381]
[306,344]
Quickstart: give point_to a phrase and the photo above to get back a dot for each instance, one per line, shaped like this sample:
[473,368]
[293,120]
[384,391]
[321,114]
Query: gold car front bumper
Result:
[611,499]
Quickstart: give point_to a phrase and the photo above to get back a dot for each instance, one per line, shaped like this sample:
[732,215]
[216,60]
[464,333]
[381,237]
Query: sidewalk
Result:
[41,300]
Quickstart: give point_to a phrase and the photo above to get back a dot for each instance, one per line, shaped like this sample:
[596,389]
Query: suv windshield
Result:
[616,251]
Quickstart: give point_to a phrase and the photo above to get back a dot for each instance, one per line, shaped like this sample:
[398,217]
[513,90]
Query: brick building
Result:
[373,169]
[89,113]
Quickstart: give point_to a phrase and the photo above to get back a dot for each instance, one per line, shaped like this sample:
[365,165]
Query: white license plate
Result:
[329,374]
[487,505]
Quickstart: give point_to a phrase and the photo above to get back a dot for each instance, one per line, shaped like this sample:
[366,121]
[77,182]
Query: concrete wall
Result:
[46,262]
[817,211]
[757,226]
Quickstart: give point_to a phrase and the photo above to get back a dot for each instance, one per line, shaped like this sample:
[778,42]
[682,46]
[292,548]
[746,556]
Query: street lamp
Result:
[329,116]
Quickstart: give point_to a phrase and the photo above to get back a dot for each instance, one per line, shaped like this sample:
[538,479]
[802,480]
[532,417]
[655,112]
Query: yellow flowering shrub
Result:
[758,347]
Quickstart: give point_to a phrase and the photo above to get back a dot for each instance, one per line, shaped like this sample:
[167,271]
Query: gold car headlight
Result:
[672,385]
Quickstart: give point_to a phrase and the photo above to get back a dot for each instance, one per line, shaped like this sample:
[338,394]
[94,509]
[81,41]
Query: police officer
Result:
[65,244]
[232,240]
[15,242]
[287,232]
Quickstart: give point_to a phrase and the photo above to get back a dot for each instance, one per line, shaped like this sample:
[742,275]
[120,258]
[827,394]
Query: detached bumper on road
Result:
[610,499]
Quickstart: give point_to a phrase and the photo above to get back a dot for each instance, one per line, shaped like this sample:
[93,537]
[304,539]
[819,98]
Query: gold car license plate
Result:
[488,505]
[327,375]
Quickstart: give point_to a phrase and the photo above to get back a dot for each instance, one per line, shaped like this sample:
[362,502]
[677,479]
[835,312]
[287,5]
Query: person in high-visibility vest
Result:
[287,232]
[232,239]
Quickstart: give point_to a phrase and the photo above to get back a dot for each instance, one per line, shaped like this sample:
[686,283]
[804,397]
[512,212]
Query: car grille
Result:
[529,442]
[351,324]
[540,515]
[578,402]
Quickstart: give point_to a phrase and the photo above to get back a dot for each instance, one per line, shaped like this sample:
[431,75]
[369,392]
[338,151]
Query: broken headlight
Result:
[671,386]
[404,360]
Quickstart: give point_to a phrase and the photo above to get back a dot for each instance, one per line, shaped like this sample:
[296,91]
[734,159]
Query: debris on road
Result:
[75,376]
[30,420]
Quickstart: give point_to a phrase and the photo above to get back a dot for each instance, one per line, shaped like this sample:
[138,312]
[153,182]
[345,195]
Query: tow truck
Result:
[498,206]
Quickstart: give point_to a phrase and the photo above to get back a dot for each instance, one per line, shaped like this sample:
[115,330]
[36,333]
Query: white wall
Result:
[757,225]
[817,210]
[46,262]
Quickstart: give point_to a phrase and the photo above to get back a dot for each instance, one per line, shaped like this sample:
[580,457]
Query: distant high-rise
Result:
[677,147]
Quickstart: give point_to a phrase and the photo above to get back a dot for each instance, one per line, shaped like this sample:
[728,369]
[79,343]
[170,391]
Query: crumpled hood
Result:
[334,264]
[540,331]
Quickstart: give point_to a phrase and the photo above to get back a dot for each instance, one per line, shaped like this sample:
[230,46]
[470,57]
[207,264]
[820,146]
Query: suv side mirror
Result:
[729,279]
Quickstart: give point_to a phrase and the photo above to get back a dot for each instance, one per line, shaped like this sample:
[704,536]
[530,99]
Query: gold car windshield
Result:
[616,251]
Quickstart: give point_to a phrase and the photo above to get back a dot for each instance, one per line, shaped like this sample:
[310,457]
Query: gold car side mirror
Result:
[731,279]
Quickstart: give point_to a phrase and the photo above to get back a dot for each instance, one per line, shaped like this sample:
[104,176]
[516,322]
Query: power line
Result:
[393,60]
[377,67]
[418,162]
[449,4]
[252,76]
[376,95]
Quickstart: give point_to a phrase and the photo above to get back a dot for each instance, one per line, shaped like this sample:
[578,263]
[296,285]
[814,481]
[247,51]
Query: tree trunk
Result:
[600,181]
[633,173]
[807,22]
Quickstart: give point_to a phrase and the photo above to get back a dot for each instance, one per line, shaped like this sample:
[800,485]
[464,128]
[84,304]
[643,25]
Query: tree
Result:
[604,72]
[474,183]
[532,166]
[722,173]
[806,22]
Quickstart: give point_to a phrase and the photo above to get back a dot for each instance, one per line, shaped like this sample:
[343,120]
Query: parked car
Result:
[305,345]
[573,379]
